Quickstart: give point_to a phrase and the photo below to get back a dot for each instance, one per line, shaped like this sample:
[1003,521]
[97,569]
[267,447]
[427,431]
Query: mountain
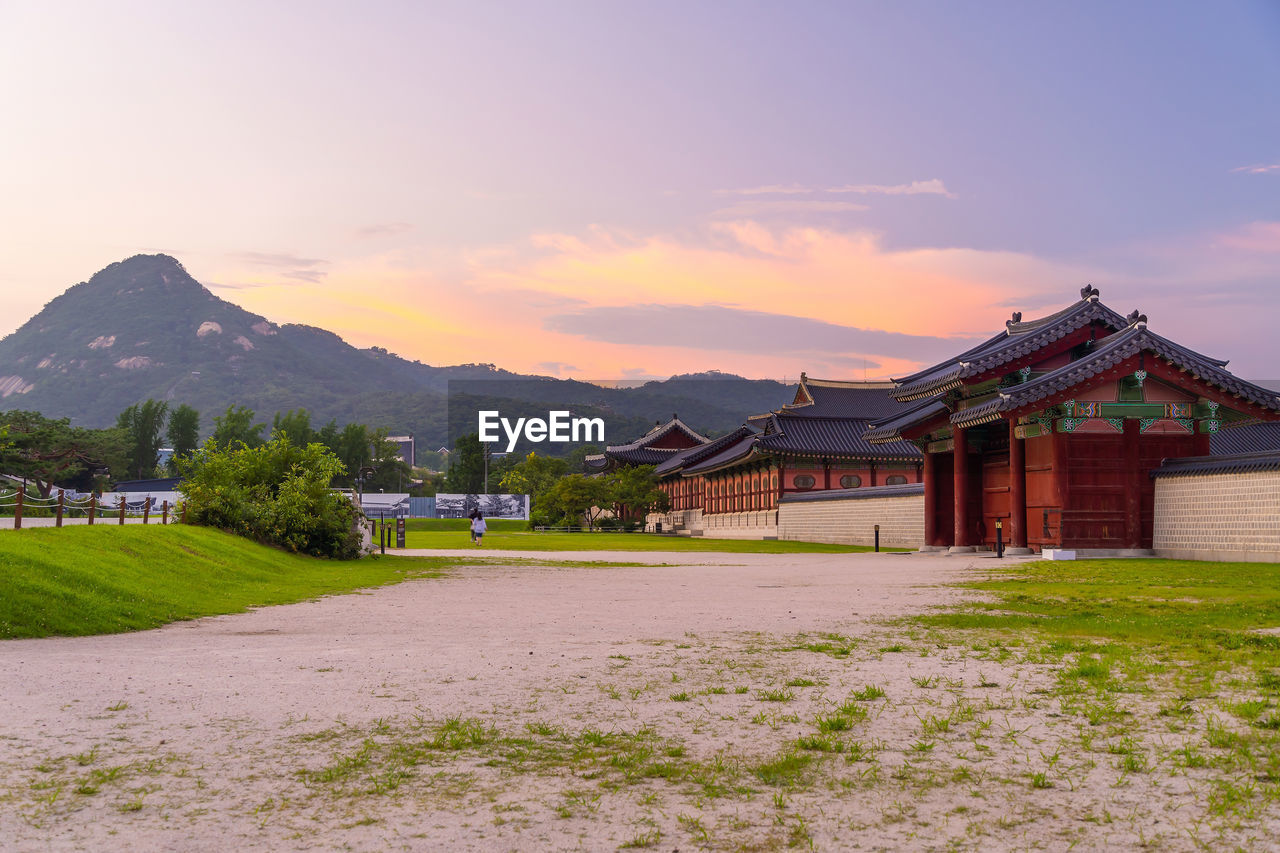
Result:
[144,328]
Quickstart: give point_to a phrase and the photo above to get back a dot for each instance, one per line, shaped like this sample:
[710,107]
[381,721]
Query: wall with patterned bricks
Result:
[1218,516]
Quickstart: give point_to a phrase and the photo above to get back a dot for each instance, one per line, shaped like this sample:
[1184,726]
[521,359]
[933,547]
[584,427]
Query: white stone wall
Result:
[1218,516]
[852,521]
[760,524]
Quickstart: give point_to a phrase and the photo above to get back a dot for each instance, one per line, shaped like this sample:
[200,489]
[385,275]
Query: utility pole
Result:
[486,468]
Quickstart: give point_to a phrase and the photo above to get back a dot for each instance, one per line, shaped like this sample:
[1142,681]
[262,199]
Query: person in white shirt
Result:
[478,527]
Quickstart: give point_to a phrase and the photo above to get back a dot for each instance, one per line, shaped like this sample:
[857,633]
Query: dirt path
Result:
[531,707]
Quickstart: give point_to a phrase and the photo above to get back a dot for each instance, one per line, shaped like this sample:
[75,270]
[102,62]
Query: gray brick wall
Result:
[1219,516]
[852,522]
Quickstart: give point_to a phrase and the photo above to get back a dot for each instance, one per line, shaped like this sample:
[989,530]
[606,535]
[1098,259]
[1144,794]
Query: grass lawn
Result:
[526,540]
[1118,624]
[96,580]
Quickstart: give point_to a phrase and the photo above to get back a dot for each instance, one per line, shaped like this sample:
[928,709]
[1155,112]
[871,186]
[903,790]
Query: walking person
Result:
[478,527]
[474,513]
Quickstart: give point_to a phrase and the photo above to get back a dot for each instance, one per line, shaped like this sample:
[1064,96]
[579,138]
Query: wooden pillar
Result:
[122,509]
[826,474]
[960,466]
[920,472]
[1132,484]
[1202,447]
[931,499]
[1017,488]
[1061,490]
[93,506]
[17,507]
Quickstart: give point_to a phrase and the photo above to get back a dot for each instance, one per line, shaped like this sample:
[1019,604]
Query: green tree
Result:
[143,426]
[236,426]
[571,500]
[354,449]
[533,475]
[46,452]
[466,466]
[184,433]
[277,493]
[393,473]
[633,491]
[295,423]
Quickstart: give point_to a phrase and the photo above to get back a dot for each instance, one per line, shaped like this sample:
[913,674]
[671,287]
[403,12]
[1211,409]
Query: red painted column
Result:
[1132,484]
[874,478]
[930,499]
[1017,488]
[1058,451]
[960,465]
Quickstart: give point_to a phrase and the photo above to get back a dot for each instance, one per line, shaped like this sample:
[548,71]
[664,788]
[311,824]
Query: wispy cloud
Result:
[1254,237]
[557,368]
[384,229]
[733,329]
[933,186]
[1258,169]
[770,189]
[930,187]
[286,266]
[773,208]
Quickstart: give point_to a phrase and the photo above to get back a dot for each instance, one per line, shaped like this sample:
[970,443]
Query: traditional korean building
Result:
[734,484]
[1051,429]
[656,446]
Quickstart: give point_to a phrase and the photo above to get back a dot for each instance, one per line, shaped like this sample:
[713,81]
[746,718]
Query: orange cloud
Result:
[496,304]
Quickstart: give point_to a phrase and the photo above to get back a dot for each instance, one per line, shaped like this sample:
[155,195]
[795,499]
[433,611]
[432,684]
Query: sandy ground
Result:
[325,725]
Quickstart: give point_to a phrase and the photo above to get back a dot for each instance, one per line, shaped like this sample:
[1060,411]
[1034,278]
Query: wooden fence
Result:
[23,504]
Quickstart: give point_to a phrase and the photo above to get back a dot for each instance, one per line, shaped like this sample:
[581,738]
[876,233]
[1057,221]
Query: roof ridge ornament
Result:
[1015,320]
[1090,293]
[1137,318]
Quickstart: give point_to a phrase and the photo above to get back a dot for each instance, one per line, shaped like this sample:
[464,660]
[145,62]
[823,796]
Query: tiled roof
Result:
[906,490]
[1246,438]
[659,431]
[1268,460]
[693,455]
[1018,340]
[838,399]
[890,429]
[806,436]
[641,455]
[639,452]
[1111,351]
[734,452]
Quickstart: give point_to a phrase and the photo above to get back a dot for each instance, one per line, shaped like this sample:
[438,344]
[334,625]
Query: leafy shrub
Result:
[277,493]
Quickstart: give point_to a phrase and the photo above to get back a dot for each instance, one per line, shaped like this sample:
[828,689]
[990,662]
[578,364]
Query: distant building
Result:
[405,443]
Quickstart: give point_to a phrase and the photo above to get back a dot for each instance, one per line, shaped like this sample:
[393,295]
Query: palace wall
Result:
[1218,516]
[849,516]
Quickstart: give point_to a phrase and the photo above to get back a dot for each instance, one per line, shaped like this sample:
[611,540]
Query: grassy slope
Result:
[80,580]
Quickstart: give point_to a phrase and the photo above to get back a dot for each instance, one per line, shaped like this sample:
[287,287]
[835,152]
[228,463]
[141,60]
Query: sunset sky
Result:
[609,190]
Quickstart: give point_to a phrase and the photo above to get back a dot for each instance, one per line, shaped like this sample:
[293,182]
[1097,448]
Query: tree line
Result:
[50,452]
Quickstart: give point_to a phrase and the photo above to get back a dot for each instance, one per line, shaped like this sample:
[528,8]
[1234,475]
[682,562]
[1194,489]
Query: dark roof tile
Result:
[1018,340]
[1111,351]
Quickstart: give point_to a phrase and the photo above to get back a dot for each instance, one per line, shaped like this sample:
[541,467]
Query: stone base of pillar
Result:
[1018,552]
[961,549]
[932,549]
